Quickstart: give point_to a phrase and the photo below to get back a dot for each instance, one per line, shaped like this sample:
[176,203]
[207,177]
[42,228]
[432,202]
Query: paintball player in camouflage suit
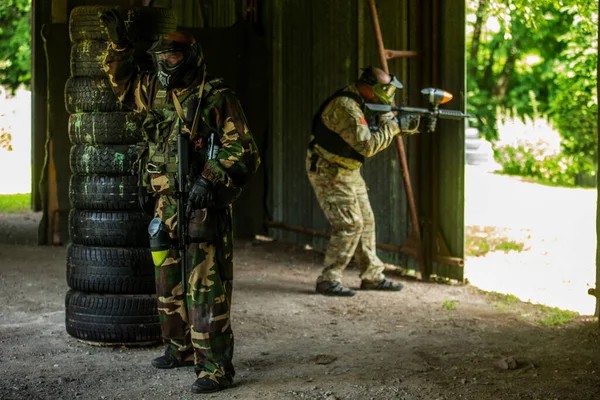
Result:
[341,141]
[179,95]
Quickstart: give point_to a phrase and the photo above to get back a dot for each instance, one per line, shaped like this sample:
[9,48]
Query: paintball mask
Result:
[384,92]
[178,59]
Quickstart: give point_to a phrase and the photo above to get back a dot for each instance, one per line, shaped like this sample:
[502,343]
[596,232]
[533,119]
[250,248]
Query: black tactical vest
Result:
[331,140]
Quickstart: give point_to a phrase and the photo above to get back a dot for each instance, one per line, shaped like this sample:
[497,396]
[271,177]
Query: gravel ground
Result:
[430,341]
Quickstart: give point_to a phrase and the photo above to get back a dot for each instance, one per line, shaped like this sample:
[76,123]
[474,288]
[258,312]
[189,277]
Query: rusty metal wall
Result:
[318,47]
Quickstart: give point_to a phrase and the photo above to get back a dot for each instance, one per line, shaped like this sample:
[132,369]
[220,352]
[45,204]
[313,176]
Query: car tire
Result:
[111,270]
[109,228]
[104,160]
[94,192]
[106,128]
[112,318]
[90,94]
[144,24]
[87,57]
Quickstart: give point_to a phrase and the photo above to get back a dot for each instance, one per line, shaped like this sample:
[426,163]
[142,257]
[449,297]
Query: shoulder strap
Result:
[179,109]
[204,91]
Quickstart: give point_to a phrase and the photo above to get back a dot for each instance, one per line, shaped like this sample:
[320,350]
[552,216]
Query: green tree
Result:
[535,59]
[15,43]
[573,101]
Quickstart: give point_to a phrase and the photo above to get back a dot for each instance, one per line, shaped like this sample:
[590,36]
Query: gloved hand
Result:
[117,31]
[408,123]
[200,195]
[147,200]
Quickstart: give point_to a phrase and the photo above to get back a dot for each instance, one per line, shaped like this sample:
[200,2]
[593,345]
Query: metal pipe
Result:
[400,53]
[309,231]
[378,37]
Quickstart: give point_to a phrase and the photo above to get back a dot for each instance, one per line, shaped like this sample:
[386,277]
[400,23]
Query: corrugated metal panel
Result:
[295,204]
[451,136]
[321,46]
[382,173]
[323,50]
[205,13]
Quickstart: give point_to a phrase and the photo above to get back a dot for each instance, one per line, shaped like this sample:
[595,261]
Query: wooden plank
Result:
[53,207]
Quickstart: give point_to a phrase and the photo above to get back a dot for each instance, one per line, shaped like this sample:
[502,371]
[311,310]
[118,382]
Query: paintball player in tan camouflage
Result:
[177,96]
[341,141]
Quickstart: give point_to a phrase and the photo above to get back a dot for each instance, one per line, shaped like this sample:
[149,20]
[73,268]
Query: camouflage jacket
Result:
[344,116]
[220,112]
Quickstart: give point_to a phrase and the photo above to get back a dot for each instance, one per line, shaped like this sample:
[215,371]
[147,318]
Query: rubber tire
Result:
[110,270]
[104,160]
[90,94]
[93,192]
[112,318]
[106,128]
[109,228]
[87,58]
[145,24]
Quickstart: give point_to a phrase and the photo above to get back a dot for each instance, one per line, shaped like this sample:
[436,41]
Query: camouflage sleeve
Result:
[344,116]
[238,158]
[128,83]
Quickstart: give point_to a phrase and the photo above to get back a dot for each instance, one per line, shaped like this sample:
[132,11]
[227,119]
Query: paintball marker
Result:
[435,98]
[183,170]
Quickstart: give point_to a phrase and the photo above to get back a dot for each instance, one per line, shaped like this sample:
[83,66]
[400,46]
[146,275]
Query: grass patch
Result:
[510,246]
[552,316]
[15,203]
[450,304]
[504,302]
[538,313]
[481,240]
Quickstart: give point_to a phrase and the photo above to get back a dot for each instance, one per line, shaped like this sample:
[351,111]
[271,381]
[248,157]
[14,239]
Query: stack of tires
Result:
[109,267]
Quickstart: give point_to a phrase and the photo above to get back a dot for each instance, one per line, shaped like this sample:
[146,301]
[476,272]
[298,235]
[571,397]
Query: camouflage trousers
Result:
[342,195]
[201,330]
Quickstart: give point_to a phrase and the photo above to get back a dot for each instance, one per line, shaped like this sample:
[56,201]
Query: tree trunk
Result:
[481,12]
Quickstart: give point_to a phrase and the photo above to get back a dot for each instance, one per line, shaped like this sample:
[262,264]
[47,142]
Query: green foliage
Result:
[510,246]
[450,304]
[573,104]
[480,240]
[553,316]
[14,203]
[15,43]
[529,160]
[477,246]
[5,140]
[536,58]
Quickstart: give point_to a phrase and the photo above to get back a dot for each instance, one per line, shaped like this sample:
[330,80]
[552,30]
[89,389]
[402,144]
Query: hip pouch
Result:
[202,225]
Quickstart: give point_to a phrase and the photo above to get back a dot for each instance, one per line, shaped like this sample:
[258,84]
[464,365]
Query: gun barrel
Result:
[452,114]
[413,110]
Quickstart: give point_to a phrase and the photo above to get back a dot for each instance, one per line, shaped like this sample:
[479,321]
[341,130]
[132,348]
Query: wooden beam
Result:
[60,12]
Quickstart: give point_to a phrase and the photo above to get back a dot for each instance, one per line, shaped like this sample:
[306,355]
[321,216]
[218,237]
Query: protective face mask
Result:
[386,92]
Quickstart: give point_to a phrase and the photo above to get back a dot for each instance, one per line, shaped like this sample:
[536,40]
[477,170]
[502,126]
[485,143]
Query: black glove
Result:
[115,27]
[431,122]
[147,200]
[200,195]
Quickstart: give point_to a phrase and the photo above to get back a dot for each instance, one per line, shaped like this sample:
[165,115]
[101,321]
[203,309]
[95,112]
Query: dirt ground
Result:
[294,344]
